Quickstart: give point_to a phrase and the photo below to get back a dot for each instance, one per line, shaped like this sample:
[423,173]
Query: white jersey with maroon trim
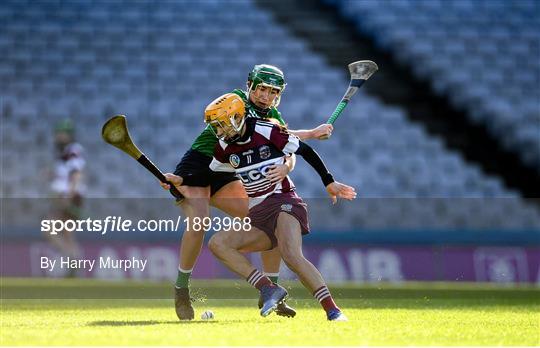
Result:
[264,144]
[71,160]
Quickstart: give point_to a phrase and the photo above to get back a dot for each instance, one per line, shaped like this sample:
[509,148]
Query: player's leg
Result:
[65,242]
[271,262]
[289,236]
[195,180]
[231,198]
[194,171]
[195,205]
[227,247]
[228,195]
[73,212]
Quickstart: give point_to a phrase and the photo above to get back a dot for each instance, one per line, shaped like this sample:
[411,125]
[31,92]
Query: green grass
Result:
[412,314]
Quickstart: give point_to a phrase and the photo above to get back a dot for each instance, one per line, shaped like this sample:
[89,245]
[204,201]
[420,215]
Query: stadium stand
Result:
[451,43]
[161,63]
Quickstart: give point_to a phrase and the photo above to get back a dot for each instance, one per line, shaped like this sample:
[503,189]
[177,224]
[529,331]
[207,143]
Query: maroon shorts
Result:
[265,214]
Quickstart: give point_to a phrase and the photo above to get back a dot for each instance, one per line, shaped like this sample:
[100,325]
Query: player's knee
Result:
[196,208]
[217,243]
[213,244]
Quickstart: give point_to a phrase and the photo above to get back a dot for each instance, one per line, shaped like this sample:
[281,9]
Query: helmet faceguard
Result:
[226,117]
[268,76]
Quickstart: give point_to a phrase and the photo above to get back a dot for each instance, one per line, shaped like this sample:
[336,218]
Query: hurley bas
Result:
[88,264]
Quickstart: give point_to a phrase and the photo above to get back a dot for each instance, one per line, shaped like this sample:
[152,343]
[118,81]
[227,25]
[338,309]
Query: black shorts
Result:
[194,168]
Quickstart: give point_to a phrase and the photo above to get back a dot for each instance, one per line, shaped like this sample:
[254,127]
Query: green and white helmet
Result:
[269,76]
[65,126]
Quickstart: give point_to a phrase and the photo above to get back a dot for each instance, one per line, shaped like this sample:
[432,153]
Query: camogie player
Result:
[248,147]
[203,187]
[67,187]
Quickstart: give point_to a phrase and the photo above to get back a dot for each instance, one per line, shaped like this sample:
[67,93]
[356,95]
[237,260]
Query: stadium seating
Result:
[492,71]
[161,63]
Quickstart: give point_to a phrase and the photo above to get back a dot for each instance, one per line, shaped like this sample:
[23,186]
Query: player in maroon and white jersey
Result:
[251,160]
[67,187]
[249,147]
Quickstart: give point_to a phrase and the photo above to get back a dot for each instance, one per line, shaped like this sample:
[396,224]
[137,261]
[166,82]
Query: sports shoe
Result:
[282,309]
[336,315]
[182,304]
[272,296]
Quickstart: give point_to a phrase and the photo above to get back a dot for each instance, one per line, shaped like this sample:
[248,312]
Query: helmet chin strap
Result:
[277,100]
[260,110]
[237,128]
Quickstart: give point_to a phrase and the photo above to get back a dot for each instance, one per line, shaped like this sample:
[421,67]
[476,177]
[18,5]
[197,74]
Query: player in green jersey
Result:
[204,188]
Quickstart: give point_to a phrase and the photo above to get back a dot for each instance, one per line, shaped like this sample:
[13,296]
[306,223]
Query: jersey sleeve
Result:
[220,162]
[313,159]
[286,142]
[241,94]
[218,166]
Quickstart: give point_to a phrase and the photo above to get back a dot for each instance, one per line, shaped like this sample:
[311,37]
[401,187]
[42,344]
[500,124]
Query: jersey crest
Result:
[265,152]
[263,146]
[234,160]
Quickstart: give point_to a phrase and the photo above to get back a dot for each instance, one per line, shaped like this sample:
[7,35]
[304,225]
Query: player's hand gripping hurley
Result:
[360,72]
[115,132]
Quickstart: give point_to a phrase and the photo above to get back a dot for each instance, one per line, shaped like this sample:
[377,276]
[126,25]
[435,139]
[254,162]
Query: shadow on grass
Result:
[45,292]
[158,322]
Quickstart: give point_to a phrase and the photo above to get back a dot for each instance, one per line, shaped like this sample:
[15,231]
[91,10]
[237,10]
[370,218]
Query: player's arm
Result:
[314,160]
[335,189]
[289,144]
[177,181]
[280,171]
[324,131]
[290,162]
[198,143]
[173,179]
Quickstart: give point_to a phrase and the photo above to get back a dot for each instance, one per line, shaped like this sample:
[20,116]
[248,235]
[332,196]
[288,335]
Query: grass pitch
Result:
[411,314]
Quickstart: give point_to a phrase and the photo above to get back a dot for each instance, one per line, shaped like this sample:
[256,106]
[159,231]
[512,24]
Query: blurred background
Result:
[442,143]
